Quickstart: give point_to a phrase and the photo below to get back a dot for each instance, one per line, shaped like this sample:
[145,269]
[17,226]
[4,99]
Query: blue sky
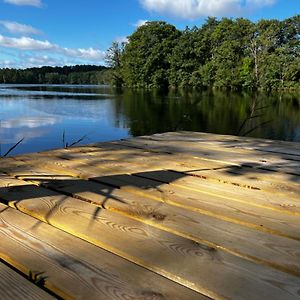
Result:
[59,32]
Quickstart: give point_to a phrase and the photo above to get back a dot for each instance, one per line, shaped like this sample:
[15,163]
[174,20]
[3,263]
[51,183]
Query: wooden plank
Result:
[218,171]
[22,169]
[276,202]
[230,175]
[241,157]
[238,240]
[208,170]
[203,166]
[254,179]
[14,286]
[265,145]
[204,269]
[253,217]
[250,157]
[204,203]
[259,198]
[73,268]
[227,146]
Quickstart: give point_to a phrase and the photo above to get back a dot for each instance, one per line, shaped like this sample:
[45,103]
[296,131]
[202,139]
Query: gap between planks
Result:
[75,269]
[14,286]
[141,244]
[208,210]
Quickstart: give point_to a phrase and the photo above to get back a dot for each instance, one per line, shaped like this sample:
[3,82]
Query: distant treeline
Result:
[80,74]
[225,53]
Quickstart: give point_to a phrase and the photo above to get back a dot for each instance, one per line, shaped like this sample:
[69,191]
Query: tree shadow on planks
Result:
[242,159]
[217,158]
[53,191]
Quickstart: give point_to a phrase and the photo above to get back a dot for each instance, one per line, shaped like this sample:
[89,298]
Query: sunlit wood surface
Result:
[170,216]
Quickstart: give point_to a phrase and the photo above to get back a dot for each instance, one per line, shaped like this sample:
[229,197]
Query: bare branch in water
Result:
[256,127]
[67,145]
[77,142]
[251,115]
[64,139]
[13,147]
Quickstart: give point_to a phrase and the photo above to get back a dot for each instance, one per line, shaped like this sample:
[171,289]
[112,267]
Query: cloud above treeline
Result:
[140,23]
[36,3]
[31,60]
[29,52]
[19,47]
[18,28]
[193,9]
[28,43]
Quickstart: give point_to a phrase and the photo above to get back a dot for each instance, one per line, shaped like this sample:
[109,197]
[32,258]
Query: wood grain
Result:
[236,210]
[211,205]
[14,286]
[75,269]
[207,270]
[278,201]
[266,145]
[132,159]
[111,160]
[170,216]
[277,252]
[240,157]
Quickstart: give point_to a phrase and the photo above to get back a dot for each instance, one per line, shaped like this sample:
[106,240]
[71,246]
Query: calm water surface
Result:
[42,113]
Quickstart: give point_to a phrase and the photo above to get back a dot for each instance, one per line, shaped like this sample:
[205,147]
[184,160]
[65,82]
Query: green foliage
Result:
[84,74]
[146,58]
[113,60]
[246,73]
[226,54]
[184,59]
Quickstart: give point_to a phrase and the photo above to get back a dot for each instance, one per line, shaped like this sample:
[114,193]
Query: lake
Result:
[43,114]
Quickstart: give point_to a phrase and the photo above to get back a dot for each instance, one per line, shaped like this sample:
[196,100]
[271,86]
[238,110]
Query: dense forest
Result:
[80,74]
[226,53]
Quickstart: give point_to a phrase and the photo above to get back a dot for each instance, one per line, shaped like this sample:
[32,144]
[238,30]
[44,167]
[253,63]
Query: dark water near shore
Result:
[41,114]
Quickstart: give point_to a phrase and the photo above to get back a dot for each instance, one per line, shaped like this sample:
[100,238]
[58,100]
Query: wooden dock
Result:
[171,216]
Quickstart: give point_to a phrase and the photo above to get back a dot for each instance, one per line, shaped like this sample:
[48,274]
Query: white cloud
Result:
[121,39]
[30,44]
[36,3]
[140,23]
[89,54]
[25,43]
[29,122]
[261,2]
[6,63]
[192,9]
[30,60]
[41,60]
[14,27]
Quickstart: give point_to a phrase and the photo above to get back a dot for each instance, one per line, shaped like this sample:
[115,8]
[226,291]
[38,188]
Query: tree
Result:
[113,60]
[83,74]
[146,58]
[184,60]
[222,53]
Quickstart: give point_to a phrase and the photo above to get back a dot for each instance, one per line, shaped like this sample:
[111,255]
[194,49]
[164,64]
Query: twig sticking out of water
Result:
[13,147]
[253,115]
[78,141]
[67,145]
[64,139]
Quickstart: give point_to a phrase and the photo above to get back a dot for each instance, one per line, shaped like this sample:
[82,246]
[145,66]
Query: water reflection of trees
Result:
[210,111]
